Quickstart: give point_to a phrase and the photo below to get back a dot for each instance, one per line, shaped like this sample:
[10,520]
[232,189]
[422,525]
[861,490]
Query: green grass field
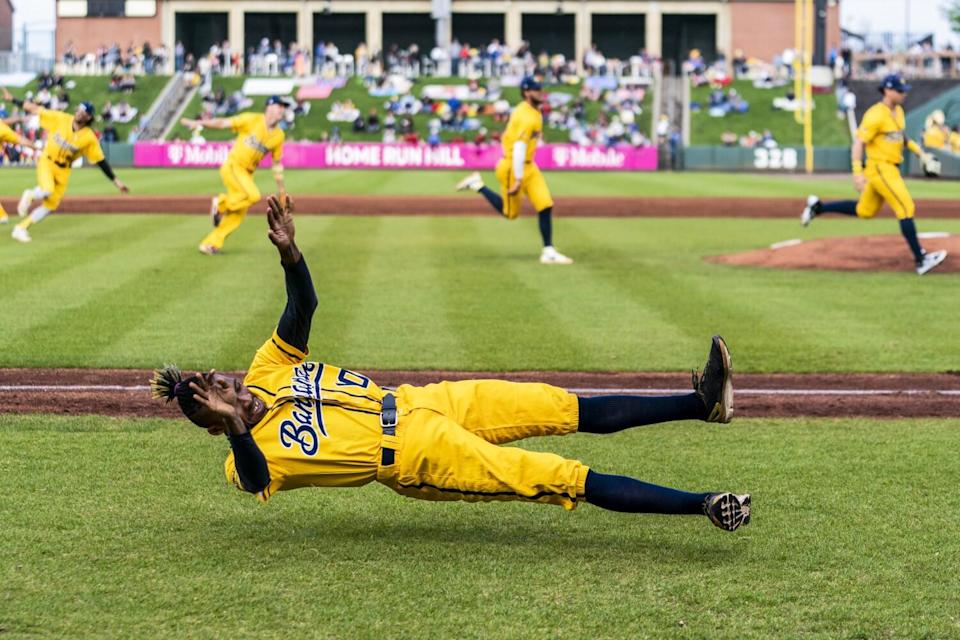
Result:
[374,182]
[121,528]
[311,126]
[464,293]
[126,528]
[827,129]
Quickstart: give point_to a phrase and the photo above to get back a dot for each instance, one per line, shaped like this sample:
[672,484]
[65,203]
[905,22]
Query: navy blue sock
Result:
[546,226]
[846,207]
[609,414]
[620,493]
[909,231]
[493,198]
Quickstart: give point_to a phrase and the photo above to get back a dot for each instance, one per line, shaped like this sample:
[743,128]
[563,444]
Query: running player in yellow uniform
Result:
[257,135]
[518,173]
[68,138]
[9,136]
[294,423]
[882,134]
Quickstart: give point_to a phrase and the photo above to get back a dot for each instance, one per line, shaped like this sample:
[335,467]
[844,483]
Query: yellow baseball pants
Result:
[52,179]
[241,194]
[448,435]
[884,183]
[533,186]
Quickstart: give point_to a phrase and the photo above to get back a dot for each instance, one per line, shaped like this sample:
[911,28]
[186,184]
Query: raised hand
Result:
[217,396]
[282,231]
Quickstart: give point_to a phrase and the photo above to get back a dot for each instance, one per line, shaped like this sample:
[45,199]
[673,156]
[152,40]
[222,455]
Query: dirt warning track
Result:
[124,392]
[471,205]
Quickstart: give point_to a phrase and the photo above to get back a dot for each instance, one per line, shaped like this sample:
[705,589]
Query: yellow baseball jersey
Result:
[7,134]
[525,125]
[322,429]
[322,426]
[881,131]
[254,140]
[955,142]
[64,145]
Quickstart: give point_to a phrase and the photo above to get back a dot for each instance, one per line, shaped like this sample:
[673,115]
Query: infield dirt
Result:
[863,253]
[470,205]
[81,391]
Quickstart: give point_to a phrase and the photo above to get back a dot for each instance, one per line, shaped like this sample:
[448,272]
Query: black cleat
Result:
[715,385]
[727,511]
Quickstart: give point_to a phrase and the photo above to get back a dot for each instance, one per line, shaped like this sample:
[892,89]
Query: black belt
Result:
[62,165]
[388,422]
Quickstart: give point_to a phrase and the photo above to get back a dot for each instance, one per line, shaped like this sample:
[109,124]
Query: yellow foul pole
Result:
[808,87]
[797,48]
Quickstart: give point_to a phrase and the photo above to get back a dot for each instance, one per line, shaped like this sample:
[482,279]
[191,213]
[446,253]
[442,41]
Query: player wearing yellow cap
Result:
[257,135]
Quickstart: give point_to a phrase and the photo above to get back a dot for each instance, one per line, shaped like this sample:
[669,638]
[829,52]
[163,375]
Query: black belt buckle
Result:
[388,415]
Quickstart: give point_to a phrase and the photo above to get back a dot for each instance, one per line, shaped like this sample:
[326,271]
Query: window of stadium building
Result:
[106,8]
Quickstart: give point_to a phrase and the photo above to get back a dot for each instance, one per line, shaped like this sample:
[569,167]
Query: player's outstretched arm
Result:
[210,123]
[26,105]
[294,325]
[856,160]
[108,171]
[221,398]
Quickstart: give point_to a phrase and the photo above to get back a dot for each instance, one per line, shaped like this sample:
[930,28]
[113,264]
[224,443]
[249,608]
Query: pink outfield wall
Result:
[373,155]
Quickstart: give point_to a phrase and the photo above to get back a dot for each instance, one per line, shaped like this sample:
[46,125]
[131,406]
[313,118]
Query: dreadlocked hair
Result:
[167,383]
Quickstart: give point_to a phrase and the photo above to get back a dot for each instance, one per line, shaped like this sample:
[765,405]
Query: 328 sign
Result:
[775,159]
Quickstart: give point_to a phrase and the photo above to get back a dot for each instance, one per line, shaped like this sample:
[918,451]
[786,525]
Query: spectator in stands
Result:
[594,62]
[481,138]
[319,55]
[359,125]
[935,134]
[728,138]
[70,55]
[148,60]
[123,112]
[373,121]
[361,59]
[109,133]
[751,140]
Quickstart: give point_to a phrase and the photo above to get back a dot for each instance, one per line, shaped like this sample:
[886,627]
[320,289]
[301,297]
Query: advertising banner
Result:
[373,155]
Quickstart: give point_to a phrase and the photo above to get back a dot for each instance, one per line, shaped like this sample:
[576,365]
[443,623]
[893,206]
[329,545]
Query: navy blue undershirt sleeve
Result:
[107,171]
[294,325]
[250,463]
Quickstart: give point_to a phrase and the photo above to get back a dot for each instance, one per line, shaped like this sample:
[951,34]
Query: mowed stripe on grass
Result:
[143,529]
[464,294]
